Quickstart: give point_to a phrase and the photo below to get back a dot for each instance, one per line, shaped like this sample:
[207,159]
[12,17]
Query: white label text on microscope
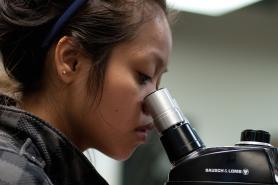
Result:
[244,171]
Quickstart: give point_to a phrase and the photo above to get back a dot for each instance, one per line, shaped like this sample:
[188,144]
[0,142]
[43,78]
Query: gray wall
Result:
[224,72]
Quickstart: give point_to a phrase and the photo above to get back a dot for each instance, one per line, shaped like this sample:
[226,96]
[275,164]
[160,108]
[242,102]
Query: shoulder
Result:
[15,169]
[19,167]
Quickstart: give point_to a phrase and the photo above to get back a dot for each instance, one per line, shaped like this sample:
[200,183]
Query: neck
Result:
[50,109]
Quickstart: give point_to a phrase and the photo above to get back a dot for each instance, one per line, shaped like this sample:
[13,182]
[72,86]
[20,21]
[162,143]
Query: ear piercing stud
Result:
[64,72]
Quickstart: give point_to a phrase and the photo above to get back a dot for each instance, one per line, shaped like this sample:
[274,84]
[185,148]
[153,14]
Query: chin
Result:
[121,155]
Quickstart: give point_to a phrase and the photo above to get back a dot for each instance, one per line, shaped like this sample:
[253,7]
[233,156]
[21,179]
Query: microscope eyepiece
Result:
[177,136]
[164,110]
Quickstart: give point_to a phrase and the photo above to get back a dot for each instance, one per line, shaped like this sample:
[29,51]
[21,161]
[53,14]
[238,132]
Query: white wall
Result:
[108,168]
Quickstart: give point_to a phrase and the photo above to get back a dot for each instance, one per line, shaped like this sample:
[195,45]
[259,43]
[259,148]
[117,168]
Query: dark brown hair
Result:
[98,27]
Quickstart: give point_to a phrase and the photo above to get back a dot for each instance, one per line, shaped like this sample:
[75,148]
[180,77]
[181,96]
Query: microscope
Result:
[252,161]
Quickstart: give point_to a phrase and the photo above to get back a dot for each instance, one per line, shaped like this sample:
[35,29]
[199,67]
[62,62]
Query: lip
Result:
[142,131]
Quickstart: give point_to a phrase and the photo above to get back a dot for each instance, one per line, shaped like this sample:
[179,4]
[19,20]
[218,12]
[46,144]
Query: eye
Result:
[143,79]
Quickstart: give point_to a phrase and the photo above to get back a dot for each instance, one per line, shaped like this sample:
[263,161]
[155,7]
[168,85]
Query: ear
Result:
[66,59]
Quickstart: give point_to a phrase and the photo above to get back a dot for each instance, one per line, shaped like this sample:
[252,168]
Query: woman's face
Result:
[118,124]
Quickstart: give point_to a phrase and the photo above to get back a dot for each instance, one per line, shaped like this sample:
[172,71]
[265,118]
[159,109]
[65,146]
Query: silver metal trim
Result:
[254,143]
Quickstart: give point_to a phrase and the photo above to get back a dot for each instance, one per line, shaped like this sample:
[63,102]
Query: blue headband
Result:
[61,22]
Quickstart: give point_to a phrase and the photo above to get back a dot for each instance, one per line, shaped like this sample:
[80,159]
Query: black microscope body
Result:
[252,161]
[247,163]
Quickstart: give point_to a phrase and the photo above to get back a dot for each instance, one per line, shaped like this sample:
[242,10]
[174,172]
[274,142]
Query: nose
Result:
[144,107]
[149,90]
[147,115]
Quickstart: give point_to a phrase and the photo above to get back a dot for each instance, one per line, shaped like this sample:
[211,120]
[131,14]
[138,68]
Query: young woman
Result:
[83,69]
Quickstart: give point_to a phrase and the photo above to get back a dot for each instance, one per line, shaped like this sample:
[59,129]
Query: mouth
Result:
[142,131]
[145,127]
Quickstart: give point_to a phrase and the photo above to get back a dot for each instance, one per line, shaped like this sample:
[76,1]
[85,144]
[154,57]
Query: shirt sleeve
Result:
[17,170]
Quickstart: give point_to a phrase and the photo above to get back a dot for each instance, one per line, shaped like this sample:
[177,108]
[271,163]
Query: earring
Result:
[64,72]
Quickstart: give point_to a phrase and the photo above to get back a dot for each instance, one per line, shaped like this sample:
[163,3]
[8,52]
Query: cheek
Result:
[121,100]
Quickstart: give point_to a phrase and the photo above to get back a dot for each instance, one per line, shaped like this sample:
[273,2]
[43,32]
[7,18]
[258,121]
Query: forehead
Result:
[154,36]
[152,42]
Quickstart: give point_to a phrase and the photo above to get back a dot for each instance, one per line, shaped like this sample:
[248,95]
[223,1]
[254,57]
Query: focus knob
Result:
[255,136]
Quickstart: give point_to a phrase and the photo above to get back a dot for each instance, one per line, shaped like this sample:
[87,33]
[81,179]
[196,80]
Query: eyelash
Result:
[143,78]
